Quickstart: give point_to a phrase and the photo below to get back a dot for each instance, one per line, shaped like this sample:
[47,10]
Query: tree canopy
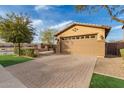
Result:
[16,28]
[47,36]
[113,10]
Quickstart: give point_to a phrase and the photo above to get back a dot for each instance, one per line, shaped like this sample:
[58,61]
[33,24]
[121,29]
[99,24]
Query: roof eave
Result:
[107,28]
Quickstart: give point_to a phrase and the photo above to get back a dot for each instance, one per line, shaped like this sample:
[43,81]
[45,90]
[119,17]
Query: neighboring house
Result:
[44,47]
[27,46]
[41,47]
[6,48]
[82,39]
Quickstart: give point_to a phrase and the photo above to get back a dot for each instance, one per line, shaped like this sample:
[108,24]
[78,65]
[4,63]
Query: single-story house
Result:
[43,47]
[6,48]
[82,39]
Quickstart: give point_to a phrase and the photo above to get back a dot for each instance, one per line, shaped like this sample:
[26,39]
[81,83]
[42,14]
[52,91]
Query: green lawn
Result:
[101,81]
[7,60]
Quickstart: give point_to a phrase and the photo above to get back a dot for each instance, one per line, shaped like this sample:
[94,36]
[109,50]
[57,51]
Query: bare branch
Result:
[112,16]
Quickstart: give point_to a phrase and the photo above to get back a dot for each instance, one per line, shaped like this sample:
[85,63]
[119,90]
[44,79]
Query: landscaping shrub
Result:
[16,51]
[26,52]
[122,53]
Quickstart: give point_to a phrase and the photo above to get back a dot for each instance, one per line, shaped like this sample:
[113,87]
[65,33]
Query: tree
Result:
[47,36]
[16,28]
[113,10]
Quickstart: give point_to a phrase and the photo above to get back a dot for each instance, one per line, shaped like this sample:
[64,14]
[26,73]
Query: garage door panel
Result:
[83,47]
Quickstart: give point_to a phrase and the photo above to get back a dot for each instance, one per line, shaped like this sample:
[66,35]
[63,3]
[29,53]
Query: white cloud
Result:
[42,7]
[61,25]
[37,22]
[40,26]
[117,27]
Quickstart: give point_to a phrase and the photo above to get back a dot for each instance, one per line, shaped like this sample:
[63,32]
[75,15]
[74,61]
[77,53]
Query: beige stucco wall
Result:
[88,47]
[82,30]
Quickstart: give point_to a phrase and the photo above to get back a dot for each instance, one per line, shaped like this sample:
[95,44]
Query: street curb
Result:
[109,75]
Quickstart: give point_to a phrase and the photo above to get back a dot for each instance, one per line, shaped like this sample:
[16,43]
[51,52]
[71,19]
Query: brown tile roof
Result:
[83,24]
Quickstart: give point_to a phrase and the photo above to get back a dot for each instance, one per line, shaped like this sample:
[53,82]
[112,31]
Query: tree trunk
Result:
[19,49]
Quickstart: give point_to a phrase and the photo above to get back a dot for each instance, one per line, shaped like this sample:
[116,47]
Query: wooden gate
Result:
[111,49]
[114,48]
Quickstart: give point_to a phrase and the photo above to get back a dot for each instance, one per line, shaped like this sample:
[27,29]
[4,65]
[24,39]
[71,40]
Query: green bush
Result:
[16,51]
[122,53]
[26,52]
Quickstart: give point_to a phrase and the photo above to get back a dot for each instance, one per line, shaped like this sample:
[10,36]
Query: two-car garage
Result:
[82,39]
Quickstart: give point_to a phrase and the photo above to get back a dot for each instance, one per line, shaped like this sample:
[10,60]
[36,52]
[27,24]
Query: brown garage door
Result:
[83,45]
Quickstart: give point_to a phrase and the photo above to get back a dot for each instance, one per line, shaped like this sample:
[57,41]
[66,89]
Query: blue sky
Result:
[58,16]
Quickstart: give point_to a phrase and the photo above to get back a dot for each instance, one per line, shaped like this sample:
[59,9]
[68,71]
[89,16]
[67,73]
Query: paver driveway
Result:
[55,71]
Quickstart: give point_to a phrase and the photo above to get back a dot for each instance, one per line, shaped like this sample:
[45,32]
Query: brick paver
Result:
[58,71]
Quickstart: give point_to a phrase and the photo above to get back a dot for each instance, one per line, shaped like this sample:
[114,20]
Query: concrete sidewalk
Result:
[110,66]
[7,80]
